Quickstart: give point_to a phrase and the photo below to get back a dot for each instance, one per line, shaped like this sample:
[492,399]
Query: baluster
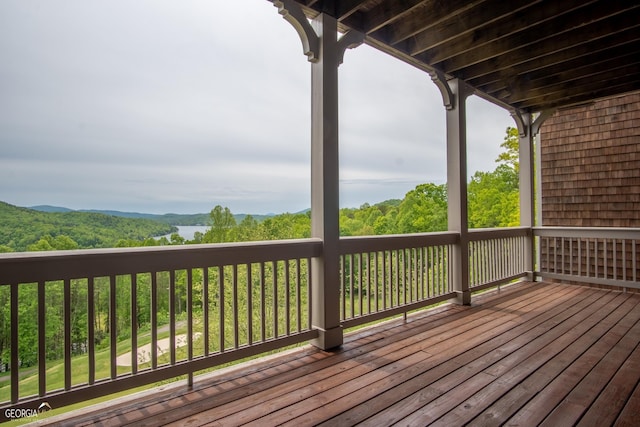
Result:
[42,341]
[67,335]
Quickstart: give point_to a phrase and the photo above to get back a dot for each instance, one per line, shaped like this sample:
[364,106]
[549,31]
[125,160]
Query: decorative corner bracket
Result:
[351,39]
[537,123]
[293,14]
[441,82]
[520,122]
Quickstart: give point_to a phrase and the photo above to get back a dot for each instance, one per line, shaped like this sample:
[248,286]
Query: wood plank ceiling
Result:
[528,54]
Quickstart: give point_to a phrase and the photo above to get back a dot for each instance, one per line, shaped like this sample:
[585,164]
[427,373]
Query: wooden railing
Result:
[122,318]
[94,322]
[497,256]
[383,276]
[605,256]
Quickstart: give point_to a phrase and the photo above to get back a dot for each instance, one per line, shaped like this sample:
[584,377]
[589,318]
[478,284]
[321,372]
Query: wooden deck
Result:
[531,354]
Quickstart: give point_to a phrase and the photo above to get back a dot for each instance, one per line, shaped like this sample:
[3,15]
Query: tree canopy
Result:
[24,229]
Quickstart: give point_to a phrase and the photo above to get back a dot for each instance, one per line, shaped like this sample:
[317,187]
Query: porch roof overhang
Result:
[529,55]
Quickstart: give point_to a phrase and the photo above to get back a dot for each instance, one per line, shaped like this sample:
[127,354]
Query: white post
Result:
[325,185]
[457,186]
[325,52]
[526,180]
[536,163]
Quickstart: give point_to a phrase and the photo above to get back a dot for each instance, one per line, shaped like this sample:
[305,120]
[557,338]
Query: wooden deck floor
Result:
[532,354]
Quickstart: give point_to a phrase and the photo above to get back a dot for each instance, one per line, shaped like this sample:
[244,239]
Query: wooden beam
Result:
[490,20]
[584,82]
[582,98]
[386,13]
[578,95]
[527,45]
[555,50]
[428,14]
[505,19]
[581,66]
[346,8]
[592,52]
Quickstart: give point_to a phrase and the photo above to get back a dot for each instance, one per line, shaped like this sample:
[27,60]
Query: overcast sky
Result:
[162,106]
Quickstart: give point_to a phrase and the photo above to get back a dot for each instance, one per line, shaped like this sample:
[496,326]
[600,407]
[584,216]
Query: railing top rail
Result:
[396,241]
[27,267]
[595,232]
[477,234]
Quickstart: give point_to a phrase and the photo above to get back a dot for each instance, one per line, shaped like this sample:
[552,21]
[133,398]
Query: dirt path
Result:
[163,345]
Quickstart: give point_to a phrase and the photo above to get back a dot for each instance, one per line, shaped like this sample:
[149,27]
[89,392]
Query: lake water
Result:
[187,231]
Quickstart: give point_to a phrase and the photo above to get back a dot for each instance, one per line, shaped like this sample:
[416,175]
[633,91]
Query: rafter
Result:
[558,35]
[592,61]
[585,84]
[430,13]
[386,13]
[559,49]
[598,51]
[571,96]
[512,18]
[346,8]
[527,89]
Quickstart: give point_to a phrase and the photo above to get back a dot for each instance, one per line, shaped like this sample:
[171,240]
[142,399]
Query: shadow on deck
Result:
[529,354]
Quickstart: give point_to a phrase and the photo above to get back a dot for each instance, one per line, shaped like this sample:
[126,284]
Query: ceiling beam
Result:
[607,48]
[383,14]
[583,83]
[544,39]
[430,13]
[346,8]
[571,97]
[496,18]
[559,49]
[571,70]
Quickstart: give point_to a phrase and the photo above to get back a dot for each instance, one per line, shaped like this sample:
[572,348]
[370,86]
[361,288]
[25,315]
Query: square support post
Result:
[526,180]
[457,188]
[325,185]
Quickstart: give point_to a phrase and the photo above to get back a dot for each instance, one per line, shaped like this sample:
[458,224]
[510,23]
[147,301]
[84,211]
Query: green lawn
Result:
[79,367]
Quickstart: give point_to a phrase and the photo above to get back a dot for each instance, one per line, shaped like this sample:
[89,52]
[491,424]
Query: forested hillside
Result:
[168,218]
[23,229]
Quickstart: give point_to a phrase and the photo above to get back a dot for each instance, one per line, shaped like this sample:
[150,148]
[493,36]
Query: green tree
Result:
[493,197]
[222,225]
[510,156]
[248,230]
[177,239]
[424,209]
[49,243]
[286,226]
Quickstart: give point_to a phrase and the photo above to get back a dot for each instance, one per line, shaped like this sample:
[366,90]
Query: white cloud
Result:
[161,106]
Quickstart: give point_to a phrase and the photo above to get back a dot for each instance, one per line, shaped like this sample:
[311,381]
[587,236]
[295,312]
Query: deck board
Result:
[529,354]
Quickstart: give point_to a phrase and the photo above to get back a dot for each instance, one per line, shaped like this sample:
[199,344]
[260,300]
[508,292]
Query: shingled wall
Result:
[590,165]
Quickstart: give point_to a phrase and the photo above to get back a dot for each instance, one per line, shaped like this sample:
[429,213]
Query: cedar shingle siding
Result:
[590,168]
[591,165]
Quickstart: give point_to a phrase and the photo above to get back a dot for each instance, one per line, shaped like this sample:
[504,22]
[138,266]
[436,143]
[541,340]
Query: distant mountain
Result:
[49,208]
[169,218]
